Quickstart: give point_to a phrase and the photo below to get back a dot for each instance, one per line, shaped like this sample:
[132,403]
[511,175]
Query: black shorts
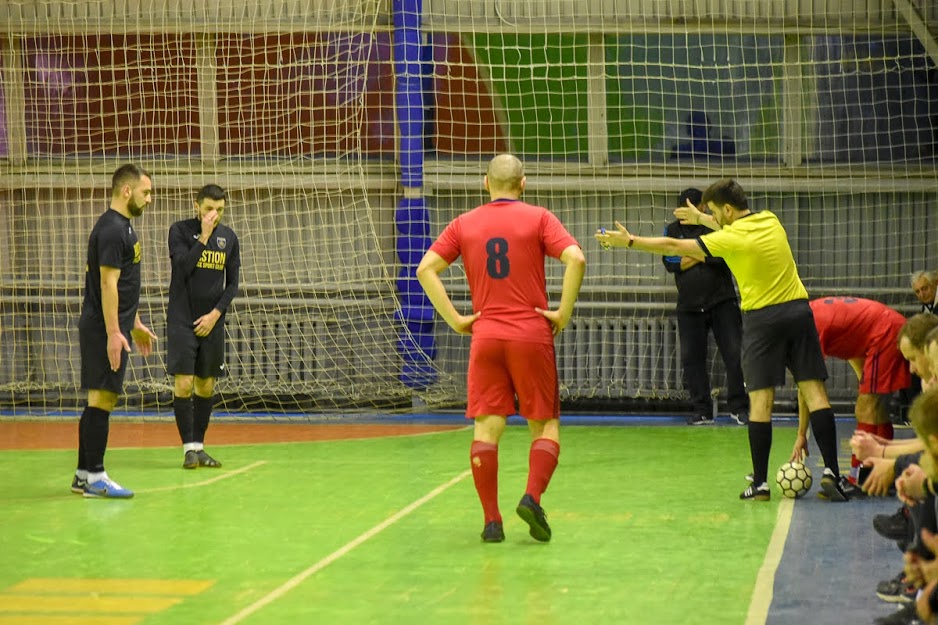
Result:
[96,371]
[781,337]
[201,356]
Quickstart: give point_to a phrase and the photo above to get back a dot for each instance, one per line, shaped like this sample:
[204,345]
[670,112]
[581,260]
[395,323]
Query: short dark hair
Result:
[212,192]
[917,328]
[691,194]
[726,191]
[126,174]
[923,412]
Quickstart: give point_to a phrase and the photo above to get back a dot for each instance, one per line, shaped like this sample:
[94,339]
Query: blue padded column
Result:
[412,219]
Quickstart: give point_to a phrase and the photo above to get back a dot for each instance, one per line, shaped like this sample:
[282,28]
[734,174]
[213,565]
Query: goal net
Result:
[347,135]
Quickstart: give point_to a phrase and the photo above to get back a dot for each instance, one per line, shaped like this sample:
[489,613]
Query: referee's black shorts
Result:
[201,356]
[96,371]
[781,337]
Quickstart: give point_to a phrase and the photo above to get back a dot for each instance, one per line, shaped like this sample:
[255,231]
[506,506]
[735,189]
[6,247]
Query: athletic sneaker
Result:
[896,590]
[700,419]
[107,489]
[206,460]
[78,485]
[493,532]
[892,526]
[750,477]
[533,514]
[191,461]
[838,488]
[757,493]
[741,417]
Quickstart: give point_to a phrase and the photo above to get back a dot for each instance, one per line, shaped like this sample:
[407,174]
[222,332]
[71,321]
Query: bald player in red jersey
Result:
[865,334]
[503,245]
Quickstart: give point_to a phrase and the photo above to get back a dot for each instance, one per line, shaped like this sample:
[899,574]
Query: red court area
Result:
[64,434]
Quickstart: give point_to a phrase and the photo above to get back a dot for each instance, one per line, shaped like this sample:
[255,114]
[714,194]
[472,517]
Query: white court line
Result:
[217,478]
[320,441]
[765,581]
[338,553]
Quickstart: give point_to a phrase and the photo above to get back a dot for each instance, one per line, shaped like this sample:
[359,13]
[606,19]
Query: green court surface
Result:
[647,529]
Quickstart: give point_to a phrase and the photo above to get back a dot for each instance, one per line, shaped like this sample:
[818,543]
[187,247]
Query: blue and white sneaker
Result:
[78,485]
[107,489]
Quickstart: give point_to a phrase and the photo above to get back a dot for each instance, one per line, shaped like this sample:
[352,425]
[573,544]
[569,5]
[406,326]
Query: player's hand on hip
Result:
[558,321]
[463,323]
[144,338]
[116,343]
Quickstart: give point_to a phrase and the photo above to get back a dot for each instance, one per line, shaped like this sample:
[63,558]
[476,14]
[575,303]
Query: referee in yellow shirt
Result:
[778,326]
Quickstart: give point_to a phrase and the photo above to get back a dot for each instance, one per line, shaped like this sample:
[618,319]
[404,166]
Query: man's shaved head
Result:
[505,176]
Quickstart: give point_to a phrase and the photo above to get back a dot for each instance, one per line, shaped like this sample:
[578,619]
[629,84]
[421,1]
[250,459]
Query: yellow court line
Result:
[54,585]
[765,580]
[298,579]
[78,603]
[217,478]
[36,619]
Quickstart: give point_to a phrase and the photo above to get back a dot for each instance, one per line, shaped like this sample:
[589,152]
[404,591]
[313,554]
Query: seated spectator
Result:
[702,140]
[925,284]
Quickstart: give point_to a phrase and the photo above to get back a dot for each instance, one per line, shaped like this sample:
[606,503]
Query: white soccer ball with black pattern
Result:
[793,479]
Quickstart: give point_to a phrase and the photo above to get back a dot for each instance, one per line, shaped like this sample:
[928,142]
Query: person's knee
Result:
[870,409]
[182,385]
[102,400]
[815,394]
[204,387]
[488,428]
[549,429]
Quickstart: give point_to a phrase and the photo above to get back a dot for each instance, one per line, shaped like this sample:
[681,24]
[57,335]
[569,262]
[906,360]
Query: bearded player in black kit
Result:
[206,264]
[110,325]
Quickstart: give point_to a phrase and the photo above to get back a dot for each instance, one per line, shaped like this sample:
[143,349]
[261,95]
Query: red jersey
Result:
[503,245]
[849,326]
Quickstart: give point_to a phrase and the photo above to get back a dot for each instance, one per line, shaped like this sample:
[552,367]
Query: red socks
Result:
[885,430]
[483,458]
[542,460]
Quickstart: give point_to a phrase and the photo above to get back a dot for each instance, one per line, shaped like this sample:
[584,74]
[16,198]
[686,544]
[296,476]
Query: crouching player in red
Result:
[503,245]
[865,334]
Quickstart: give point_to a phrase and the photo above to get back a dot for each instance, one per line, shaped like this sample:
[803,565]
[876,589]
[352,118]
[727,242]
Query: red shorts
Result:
[884,369]
[499,370]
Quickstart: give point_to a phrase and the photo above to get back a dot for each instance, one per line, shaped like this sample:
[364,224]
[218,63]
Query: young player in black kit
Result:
[206,263]
[109,325]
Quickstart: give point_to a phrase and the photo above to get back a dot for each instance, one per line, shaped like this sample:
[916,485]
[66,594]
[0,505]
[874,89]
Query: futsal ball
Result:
[794,479]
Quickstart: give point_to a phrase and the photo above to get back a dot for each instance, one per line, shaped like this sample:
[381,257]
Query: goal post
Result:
[824,111]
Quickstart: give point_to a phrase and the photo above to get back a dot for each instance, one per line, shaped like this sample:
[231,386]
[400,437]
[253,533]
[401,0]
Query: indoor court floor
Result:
[378,522]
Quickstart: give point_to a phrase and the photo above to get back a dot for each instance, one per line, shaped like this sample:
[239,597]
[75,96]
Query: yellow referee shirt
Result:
[756,250]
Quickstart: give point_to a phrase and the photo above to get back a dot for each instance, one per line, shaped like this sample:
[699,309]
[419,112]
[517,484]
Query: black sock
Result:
[760,445]
[202,411]
[82,461]
[825,435]
[182,408]
[92,438]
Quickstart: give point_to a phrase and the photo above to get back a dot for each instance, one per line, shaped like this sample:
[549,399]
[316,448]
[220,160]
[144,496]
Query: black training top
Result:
[704,285]
[204,276]
[113,243]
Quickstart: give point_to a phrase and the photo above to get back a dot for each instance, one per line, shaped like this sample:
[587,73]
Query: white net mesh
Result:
[824,111]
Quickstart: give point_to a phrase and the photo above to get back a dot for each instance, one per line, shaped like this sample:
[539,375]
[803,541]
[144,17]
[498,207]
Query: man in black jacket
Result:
[706,301]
